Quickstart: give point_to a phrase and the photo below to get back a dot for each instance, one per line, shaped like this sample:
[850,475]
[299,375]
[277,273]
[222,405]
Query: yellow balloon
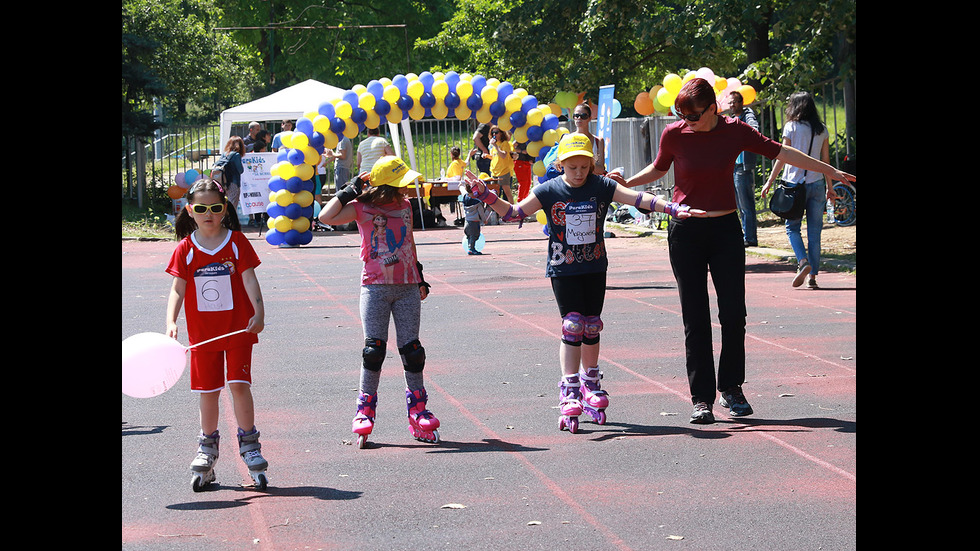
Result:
[520,135]
[489,95]
[321,124]
[303,198]
[283,198]
[286,170]
[416,89]
[541,217]
[330,140]
[343,109]
[440,111]
[391,93]
[299,141]
[372,120]
[310,156]
[464,89]
[394,115]
[534,148]
[512,103]
[305,171]
[493,82]
[538,168]
[283,224]
[270,223]
[417,112]
[366,101]
[301,224]
[504,124]
[358,89]
[484,115]
[550,137]
[440,89]
[351,129]
[520,92]
[534,116]
[672,83]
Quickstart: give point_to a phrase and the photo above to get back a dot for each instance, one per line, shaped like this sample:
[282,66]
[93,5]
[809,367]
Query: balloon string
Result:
[214,339]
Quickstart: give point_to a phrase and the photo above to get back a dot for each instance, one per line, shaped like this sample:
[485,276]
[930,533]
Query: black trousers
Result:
[699,246]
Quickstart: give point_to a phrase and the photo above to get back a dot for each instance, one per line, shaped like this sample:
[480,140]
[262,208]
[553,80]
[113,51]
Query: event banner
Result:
[604,120]
[255,182]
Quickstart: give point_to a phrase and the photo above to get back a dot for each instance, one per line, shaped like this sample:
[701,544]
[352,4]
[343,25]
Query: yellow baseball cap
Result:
[574,144]
[392,171]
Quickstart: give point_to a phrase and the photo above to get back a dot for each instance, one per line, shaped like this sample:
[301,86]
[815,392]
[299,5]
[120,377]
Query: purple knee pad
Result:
[593,324]
[572,328]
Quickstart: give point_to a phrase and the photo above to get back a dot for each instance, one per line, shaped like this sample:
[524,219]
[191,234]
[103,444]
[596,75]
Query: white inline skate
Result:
[251,452]
[202,468]
[570,403]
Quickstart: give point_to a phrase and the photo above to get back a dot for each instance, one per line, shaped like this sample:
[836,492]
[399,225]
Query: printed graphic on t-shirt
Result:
[213,284]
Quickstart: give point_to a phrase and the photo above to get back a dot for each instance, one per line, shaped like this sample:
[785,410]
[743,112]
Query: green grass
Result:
[150,222]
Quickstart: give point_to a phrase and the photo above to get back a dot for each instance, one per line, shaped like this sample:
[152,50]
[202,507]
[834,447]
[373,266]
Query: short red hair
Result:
[695,95]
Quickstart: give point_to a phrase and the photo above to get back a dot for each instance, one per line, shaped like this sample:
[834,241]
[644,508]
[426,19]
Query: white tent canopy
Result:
[289,103]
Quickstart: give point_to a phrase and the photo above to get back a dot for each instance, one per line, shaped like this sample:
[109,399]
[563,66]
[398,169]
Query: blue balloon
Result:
[305,126]
[534,133]
[474,102]
[452,100]
[274,238]
[400,82]
[549,122]
[528,102]
[350,97]
[282,154]
[452,79]
[427,100]
[426,78]
[518,119]
[337,125]
[276,183]
[296,157]
[326,109]
[479,82]
[292,210]
[358,115]
[376,89]
[309,212]
[294,184]
[544,151]
[316,141]
[498,108]
[504,89]
[305,238]
[382,107]
[405,102]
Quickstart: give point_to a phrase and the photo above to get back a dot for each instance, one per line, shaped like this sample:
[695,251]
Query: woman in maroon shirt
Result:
[702,147]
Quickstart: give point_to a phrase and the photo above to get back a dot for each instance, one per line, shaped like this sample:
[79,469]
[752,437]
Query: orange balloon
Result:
[175,192]
[643,104]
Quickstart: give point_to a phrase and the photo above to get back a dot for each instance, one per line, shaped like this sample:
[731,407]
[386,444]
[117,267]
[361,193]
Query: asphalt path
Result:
[503,475]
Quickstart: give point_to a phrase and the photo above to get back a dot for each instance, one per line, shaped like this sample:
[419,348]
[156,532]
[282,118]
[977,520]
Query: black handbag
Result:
[789,199]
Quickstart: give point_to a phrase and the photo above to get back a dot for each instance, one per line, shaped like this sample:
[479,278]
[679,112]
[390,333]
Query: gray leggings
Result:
[381,303]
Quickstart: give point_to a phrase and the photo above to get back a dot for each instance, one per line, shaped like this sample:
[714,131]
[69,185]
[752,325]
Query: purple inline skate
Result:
[421,423]
[363,422]
[570,403]
[594,399]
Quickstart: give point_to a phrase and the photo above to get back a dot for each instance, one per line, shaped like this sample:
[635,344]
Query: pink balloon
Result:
[151,364]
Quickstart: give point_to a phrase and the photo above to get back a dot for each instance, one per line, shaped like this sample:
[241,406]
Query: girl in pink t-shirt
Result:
[214,277]
[391,288]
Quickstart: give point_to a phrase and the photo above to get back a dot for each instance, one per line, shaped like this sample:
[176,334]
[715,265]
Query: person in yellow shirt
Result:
[501,160]
[456,165]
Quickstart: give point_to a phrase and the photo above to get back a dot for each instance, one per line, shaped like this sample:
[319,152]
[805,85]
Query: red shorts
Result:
[208,368]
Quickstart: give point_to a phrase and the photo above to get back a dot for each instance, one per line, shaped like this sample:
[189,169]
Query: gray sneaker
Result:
[735,401]
[702,414]
[801,273]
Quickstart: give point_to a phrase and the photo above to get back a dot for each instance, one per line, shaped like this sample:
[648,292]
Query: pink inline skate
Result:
[570,403]
[421,422]
[364,419]
[594,399]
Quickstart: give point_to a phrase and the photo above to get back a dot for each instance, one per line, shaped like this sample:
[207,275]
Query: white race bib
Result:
[213,284]
[580,222]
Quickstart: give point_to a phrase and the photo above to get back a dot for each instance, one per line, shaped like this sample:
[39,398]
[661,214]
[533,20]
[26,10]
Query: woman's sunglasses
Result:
[581,115]
[694,118]
[216,208]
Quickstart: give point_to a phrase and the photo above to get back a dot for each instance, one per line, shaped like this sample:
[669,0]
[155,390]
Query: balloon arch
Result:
[431,95]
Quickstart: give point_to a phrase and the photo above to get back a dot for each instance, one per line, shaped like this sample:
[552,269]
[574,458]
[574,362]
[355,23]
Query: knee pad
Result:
[373,354]
[413,356]
[593,324]
[572,328]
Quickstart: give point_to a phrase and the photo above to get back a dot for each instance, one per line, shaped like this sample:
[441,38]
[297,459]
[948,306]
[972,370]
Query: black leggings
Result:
[583,293]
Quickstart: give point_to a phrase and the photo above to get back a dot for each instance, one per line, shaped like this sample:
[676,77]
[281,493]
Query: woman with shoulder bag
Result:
[804,128]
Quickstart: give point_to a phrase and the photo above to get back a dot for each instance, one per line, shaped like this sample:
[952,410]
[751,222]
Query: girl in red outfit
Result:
[214,274]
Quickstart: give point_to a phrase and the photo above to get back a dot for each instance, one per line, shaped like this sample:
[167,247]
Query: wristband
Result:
[422,282]
[487,192]
[639,199]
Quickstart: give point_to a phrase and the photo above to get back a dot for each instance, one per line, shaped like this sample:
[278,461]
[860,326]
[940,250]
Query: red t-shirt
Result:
[704,162]
[216,302]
